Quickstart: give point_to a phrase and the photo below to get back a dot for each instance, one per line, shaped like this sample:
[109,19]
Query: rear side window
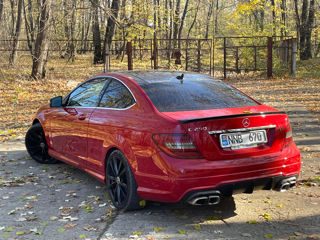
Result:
[173,95]
[116,95]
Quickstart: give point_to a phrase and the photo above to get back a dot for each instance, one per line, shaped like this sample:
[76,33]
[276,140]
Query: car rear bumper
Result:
[185,177]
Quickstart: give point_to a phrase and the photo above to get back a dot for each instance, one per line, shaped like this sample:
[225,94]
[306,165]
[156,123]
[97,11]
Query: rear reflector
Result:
[177,145]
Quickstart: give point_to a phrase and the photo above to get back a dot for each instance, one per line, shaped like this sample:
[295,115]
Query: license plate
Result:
[243,139]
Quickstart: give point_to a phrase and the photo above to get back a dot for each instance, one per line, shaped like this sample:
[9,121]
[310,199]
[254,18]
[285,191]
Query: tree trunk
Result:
[194,20]
[309,26]
[115,6]
[283,7]
[176,23]
[28,20]
[210,11]
[96,32]
[216,19]
[182,23]
[274,29]
[1,8]
[16,34]
[303,29]
[12,18]
[39,57]
[297,18]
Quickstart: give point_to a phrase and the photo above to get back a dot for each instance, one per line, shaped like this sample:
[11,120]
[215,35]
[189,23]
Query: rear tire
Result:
[37,146]
[121,184]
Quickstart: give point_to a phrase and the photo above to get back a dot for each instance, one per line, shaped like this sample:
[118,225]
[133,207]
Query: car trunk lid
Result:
[226,134]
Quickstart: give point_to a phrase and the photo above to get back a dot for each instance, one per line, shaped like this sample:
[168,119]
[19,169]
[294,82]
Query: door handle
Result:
[82,116]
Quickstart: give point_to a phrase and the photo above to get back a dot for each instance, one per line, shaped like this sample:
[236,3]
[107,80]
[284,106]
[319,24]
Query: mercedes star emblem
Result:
[246,122]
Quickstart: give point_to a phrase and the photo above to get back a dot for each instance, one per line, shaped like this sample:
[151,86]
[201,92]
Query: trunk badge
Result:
[246,122]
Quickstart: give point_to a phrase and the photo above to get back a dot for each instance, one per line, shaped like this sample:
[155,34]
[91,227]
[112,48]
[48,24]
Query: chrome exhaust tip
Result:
[205,200]
[213,200]
[284,187]
[198,201]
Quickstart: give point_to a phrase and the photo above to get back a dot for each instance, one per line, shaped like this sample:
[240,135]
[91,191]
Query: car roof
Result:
[149,77]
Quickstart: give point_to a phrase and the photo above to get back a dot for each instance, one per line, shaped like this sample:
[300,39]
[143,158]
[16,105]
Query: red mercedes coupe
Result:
[167,136]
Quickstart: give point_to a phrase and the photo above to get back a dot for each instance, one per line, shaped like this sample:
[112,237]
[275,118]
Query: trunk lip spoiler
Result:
[230,116]
[242,129]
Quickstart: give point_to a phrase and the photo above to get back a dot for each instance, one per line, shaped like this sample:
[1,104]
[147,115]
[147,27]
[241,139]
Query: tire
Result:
[121,184]
[37,146]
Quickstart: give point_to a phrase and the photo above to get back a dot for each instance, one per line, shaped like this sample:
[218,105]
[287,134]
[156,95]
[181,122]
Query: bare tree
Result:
[96,32]
[115,6]
[1,8]
[16,34]
[40,55]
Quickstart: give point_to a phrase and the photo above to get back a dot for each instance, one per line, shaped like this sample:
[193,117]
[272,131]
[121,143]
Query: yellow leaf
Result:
[267,201]
[268,236]
[197,227]
[142,203]
[252,221]
[137,233]
[280,205]
[182,231]
[157,229]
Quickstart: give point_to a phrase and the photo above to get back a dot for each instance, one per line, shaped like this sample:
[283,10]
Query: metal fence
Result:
[220,56]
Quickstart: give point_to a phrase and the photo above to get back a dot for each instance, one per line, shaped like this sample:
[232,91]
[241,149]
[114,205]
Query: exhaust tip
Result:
[284,187]
[199,201]
[213,200]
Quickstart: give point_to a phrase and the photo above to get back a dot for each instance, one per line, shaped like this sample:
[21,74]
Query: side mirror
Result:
[56,102]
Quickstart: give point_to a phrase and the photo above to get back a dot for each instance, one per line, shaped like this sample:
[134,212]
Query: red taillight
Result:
[177,145]
[288,139]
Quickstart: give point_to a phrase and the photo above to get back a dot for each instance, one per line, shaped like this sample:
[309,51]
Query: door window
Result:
[117,96]
[87,94]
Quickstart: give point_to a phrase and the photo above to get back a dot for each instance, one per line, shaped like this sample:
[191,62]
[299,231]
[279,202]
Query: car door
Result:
[70,125]
[107,123]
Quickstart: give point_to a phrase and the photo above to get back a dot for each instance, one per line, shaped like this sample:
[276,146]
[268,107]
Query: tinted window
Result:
[87,94]
[193,94]
[116,96]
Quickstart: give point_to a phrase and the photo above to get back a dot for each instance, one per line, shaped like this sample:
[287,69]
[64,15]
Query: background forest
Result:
[73,27]
[61,43]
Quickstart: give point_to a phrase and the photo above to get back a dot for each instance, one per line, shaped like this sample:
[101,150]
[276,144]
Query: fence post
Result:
[269,61]
[129,54]
[155,52]
[107,61]
[212,57]
[211,46]
[237,59]
[199,57]
[187,54]
[294,56]
[224,58]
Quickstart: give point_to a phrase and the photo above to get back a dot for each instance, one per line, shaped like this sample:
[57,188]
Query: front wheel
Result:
[37,146]
[121,184]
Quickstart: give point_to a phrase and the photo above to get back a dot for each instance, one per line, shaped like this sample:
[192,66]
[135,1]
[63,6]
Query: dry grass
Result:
[21,97]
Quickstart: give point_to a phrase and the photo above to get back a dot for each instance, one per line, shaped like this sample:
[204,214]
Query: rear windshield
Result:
[195,94]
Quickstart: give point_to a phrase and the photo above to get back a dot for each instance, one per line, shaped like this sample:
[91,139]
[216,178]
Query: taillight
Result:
[288,139]
[177,145]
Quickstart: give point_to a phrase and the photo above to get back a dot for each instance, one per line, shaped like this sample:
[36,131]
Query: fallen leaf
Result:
[197,227]
[142,203]
[268,236]
[137,233]
[252,221]
[157,229]
[70,225]
[20,233]
[182,231]
[61,229]
[82,236]
[43,224]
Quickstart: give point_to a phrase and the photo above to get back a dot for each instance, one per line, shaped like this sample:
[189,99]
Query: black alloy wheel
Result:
[37,146]
[121,183]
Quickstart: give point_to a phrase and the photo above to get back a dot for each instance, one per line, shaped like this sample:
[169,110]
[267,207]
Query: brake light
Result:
[177,145]
[288,139]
